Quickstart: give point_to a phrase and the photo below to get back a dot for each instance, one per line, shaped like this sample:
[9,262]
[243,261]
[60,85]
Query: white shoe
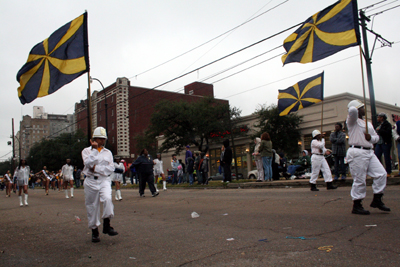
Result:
[72,192]
[116,195]
[20,201]
[26,200]
[292,177]
[119,195]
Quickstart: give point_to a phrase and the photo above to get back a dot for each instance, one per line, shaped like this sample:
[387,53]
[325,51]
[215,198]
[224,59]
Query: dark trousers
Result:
[339,166]
[385,150]
[124,178]
[149,178]
[77,183]
[204,177]
[174,177]
[227,173]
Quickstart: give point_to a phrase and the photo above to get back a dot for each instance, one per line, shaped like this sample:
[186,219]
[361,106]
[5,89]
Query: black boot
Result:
[329,186]
[358,208]
[107,229]
[377,203]
[95,235]
[314,187]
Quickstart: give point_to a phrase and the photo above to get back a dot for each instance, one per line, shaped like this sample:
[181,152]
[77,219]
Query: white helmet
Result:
[315,133]
[355,103]
[100,132]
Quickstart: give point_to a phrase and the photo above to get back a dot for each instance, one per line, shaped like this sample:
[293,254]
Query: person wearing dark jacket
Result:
[384,144]
[144,167]
[338,140]
[227,162]
[190,169]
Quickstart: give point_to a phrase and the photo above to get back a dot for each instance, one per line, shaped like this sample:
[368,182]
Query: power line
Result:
[382,5]
[378,13]
[190,50]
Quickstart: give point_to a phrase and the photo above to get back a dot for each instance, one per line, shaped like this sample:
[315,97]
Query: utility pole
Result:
[13,146]
[368,67]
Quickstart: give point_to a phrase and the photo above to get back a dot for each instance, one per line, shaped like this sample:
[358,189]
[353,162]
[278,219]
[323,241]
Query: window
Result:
[112,112]
[112,126]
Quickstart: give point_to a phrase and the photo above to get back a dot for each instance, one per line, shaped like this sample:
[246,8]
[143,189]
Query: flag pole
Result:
[363,84]
[322,114]
[89,109]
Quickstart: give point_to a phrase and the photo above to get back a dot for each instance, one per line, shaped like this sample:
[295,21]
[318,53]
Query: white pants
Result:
[260,169]
[318,163]
[67,178]
[97,191]
[362,163]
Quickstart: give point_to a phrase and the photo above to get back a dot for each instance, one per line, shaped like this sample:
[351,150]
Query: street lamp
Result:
[105,99]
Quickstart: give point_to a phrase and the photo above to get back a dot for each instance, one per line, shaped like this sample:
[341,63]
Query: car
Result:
[252,175]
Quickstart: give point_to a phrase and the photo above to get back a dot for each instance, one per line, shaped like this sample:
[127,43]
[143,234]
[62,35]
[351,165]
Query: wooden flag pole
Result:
[363,84]
[89,107]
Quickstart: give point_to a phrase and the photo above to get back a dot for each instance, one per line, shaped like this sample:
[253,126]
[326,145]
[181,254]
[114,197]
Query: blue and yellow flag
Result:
[301,95]
[56,61]
[327,32]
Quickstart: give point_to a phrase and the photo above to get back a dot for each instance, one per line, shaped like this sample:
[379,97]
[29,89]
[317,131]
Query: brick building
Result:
[129,110]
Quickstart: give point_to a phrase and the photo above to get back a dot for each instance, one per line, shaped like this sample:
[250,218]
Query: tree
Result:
[53,152]
[184,123]
[284,130]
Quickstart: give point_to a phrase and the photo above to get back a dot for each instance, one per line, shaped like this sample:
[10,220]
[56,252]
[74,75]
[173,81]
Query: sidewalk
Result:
[305,183]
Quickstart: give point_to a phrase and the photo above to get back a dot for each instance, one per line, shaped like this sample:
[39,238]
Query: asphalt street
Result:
[235,227]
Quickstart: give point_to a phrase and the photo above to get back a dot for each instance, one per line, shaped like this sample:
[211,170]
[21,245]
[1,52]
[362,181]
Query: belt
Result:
[94,177]
[361,147]
[318,154]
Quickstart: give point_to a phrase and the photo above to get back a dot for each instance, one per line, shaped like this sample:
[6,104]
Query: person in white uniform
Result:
[22,174]
[362,160]
[117,177]
[9,183]
[67,173]
[159,171]
[318,162]
[99,165]
[45,177]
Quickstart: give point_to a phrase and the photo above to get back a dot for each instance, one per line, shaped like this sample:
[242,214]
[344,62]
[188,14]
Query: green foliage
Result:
[6,166]
[284,130]
[146,141]
[184,123]
[54,152]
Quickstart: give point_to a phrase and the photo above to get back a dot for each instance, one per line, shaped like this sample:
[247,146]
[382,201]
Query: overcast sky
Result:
[127,38]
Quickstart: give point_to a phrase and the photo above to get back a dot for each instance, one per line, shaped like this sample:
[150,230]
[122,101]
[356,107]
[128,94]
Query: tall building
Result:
[42,125]
[129,109]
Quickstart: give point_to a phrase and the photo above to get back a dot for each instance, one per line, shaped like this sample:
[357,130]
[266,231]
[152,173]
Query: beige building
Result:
[42,125]
[334,110]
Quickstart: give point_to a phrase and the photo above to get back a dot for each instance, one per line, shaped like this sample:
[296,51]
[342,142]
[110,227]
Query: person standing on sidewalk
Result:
[363,161]
[227,162]
[318,162]
[266,155]
[99,165]
[384,144]
[338,140]
[174,165]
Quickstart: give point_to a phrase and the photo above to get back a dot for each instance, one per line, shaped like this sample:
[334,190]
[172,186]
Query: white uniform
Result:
[318,162]
[362,160]
[158,168]
[46,175]
[8,178]
[117,177]
[98,184]
[22,175]
[67,172]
